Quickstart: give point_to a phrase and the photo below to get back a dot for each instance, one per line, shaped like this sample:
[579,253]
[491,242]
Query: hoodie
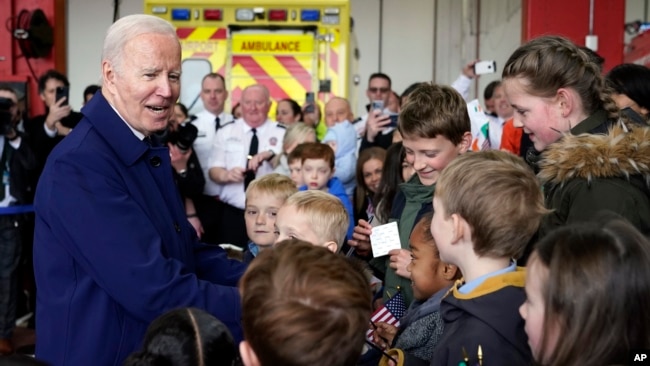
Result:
[586,173]
[488,317]
[345,159]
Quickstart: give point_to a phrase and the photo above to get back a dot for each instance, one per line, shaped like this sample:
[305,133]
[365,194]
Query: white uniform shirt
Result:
[230,150]
[205,123]
[495,130]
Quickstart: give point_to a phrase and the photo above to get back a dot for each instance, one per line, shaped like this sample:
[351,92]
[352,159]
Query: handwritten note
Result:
[384,238]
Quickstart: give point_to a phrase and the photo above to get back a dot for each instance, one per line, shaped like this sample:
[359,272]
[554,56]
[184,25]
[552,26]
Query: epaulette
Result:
[225,124]
[357,120]
[281,125]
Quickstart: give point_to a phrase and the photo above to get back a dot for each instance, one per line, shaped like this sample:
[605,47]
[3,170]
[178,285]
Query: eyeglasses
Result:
[379,90]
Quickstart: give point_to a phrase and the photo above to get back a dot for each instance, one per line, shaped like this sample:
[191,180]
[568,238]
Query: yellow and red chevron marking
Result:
[285,76]
[204,42]
[281,62]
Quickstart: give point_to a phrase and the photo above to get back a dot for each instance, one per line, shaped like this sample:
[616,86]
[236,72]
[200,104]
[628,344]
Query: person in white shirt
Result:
[242,151]
[208,121]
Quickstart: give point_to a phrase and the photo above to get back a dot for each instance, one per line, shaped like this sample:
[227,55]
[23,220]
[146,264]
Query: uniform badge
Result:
[273,141]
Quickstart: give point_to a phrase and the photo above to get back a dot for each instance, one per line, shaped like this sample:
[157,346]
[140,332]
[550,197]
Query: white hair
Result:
[129,27]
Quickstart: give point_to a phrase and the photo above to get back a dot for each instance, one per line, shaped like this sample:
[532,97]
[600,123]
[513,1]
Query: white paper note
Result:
[384,238]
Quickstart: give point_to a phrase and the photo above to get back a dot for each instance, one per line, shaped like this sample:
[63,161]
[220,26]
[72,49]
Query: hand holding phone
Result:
[62,91]
[393,120]
[309,102]
[377,104]
[485,67]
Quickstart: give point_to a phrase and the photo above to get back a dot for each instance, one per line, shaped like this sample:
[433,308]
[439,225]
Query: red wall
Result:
[570,18]
[13,66]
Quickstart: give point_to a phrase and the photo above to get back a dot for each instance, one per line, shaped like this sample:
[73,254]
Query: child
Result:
[294,162]
[185,337]
[588,289]
[296,134]
[486,208]
[318,174]
[342,139]
[435,128]
[303,306]
[421,326]
[589,162]
[313,216]
[264,197]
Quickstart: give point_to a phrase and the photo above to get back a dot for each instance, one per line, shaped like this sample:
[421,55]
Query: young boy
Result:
[313,216]
[435,128]
[264,197]
[421,326]
[318,174]
[294,161]
[303,306]
[487,206]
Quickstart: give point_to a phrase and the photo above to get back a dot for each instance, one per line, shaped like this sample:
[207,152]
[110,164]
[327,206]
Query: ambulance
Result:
[293,47]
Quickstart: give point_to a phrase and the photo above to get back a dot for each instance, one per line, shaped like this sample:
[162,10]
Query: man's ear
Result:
[248,356]
[108,77]
[331,246]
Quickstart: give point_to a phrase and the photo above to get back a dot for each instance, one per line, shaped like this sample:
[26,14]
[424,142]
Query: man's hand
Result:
[376,123]
[468,70]
[235,175]
[361,238]
[256,161]
[57,112]
[399,261]
[196,224]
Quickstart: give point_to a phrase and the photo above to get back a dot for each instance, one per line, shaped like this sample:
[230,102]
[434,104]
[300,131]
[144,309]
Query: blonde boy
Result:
[487,206]
[264,197]
[313,216]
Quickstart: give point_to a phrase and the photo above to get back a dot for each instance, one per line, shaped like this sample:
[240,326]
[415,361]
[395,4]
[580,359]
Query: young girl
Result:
[589,161]
[422,325]
[588,295]
[370,166]
[186,337]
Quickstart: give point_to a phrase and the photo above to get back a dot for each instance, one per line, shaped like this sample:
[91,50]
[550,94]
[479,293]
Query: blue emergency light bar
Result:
[180,14]
[310,15]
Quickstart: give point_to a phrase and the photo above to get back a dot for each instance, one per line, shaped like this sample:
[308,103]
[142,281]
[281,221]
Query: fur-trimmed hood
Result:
[619,153]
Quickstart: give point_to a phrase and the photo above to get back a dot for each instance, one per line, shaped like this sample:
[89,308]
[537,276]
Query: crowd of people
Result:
[241,238]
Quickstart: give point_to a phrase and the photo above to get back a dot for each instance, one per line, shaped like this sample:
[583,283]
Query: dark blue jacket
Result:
[488,316]
[113,249]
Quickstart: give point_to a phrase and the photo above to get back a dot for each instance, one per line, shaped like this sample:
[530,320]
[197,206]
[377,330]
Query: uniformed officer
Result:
[242,151]
[209,208]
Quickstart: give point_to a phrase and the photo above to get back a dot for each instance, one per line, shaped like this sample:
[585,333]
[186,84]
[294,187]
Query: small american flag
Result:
[390,313]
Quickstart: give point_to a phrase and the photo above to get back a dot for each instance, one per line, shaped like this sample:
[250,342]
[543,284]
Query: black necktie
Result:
[252,151]
[217,123]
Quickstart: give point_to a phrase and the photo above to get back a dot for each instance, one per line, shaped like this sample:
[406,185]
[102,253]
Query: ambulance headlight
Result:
[244,15]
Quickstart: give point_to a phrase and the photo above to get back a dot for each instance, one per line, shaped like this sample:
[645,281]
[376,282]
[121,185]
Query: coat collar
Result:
[112,128]
[619,153]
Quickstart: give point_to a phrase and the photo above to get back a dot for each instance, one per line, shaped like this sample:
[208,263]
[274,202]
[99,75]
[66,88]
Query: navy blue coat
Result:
[113,249]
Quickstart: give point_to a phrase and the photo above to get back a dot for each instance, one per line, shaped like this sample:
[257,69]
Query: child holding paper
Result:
[421,326]
[435,128]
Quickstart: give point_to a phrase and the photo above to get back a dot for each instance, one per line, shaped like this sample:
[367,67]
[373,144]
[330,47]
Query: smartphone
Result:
[377,104]
[393,120]
[309,101]
[485,67]
[62,91]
